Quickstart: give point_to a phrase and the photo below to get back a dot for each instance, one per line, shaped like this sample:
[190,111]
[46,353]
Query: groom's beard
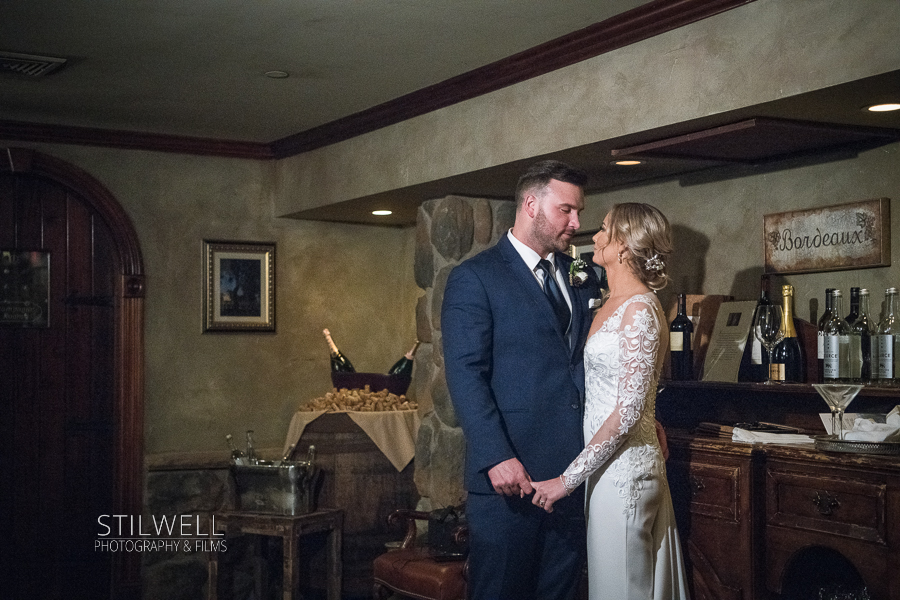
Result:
[543,233]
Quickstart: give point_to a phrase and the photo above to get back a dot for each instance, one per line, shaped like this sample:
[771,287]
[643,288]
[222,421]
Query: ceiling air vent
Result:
[29,64]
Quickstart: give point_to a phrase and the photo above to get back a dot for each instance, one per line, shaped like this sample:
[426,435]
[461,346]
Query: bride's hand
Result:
[548,492]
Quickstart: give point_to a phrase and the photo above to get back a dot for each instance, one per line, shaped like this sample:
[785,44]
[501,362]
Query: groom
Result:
[513,338]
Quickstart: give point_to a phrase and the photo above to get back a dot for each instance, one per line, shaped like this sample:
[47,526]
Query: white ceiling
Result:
[196,67]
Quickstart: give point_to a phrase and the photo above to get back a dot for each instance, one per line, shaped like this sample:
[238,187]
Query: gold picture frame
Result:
[238,286]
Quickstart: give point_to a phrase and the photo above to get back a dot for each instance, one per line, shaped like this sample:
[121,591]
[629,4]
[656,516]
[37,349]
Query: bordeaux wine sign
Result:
[830,238]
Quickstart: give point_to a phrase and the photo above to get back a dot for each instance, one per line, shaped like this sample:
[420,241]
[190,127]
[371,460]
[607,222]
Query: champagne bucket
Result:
[283,488]
[395,384]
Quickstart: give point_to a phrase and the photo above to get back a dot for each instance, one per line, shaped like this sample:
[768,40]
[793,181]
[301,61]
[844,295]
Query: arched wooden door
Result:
[71,389]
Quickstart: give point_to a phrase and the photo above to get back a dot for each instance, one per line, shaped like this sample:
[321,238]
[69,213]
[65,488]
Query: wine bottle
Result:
[826,317]
[339,362]
[887,340]
[861,342]
[404,366]
[837,343]
[680,333]
[287,454]
[755,357]
[237,457]
[787,358]
[854,306]
[251,451]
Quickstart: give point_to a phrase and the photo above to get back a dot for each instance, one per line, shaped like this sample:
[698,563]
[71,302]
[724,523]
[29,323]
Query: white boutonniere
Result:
[578,273]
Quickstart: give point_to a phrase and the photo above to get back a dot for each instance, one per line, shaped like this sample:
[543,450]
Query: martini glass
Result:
[838,396]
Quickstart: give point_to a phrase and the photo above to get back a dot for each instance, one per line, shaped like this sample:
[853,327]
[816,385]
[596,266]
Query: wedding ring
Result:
[541,504]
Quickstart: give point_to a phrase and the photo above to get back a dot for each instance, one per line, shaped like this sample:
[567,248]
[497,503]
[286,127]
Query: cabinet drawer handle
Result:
[826,503]
[697,485]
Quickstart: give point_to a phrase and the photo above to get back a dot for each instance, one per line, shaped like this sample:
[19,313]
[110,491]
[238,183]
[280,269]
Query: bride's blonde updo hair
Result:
[646,233]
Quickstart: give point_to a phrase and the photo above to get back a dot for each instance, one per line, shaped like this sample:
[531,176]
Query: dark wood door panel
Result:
[56,380]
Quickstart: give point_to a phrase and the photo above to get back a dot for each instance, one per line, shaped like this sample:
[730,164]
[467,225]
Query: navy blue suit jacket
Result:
[516,381]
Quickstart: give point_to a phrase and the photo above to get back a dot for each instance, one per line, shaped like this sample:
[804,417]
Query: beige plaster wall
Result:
[718,225]
[355,280]
[766,50]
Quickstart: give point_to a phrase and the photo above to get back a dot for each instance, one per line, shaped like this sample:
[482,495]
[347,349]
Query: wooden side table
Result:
[290,529]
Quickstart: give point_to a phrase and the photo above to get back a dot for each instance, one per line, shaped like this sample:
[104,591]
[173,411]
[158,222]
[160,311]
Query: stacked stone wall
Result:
[449,230]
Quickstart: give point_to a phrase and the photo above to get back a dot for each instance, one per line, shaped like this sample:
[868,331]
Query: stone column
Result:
[448,231]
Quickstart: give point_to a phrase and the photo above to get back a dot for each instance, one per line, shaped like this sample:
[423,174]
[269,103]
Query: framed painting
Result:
[238,286]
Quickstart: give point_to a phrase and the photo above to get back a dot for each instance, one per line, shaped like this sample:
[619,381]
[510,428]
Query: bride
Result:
[633,547]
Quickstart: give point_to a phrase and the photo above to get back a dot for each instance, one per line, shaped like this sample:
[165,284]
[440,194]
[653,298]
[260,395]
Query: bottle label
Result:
[776,372]
[885,352]
[837,357]
[874,375]
[756,352]
[676,341]
[831,356]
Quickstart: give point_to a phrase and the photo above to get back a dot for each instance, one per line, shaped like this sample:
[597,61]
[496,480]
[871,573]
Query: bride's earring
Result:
[620,258]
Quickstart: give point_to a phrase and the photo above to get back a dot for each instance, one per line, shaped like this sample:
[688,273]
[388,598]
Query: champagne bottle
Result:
[861,342]
[404,366]
[787,358]
[854,306]
[826,317]
[339,362]
[680,333]
[887,340]
[755,357]
[237,457]
[837,343]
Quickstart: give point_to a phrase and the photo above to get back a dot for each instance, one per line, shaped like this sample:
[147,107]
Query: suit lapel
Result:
[529,284]
[563,262]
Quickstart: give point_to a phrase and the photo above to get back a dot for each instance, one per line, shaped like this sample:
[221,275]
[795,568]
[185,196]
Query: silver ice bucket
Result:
[282,487]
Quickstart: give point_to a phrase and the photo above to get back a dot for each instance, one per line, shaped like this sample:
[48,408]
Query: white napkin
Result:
[760,437]
[867,430]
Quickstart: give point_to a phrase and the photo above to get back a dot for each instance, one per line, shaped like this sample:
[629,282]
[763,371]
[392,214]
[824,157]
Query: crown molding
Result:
[643,22]
[132,140]
[632,26]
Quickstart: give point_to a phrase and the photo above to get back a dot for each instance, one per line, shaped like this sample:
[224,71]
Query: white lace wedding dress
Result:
[633,546]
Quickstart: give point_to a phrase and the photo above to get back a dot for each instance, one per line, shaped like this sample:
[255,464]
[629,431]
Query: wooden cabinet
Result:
[750,515]
[846,504]
[713,489]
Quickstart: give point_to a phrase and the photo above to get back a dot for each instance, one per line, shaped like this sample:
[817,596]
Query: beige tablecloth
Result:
[394,432]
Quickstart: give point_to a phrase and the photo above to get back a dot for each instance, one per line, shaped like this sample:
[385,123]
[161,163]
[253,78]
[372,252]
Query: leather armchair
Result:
[417,571]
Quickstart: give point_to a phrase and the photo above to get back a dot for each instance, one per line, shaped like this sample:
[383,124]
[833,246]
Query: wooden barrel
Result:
[359,479]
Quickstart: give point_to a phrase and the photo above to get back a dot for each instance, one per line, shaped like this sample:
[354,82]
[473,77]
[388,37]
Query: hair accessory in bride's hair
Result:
[655,263]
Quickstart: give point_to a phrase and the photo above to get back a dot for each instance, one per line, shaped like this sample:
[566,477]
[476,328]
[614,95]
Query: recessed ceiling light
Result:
[627,163]
[381,213]
[277,74]
[883,107]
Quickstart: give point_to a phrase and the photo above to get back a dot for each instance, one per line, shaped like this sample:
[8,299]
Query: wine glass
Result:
[838,396]
[767,329]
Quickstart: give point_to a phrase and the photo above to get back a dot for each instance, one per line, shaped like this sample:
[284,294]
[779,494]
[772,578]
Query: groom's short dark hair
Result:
[539,175]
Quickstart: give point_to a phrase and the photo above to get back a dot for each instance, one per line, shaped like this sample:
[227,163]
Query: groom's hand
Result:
[509,478]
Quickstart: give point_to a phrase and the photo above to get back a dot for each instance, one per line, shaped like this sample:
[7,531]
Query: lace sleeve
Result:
[639,341]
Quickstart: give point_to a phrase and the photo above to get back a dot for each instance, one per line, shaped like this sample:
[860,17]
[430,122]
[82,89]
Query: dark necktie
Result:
[551,288]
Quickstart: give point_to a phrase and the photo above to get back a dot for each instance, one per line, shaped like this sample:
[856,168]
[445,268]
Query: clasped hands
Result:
[510,478]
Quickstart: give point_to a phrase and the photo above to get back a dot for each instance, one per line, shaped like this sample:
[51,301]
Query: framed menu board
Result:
[24,288]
